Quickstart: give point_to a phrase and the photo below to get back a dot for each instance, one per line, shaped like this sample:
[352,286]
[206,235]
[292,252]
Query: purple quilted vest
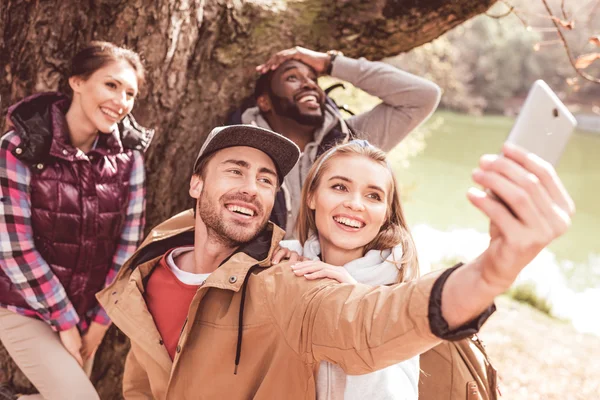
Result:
[78,202]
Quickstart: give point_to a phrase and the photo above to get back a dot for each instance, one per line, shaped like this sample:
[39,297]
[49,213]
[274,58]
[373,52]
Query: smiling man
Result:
[290,102]
[210,318]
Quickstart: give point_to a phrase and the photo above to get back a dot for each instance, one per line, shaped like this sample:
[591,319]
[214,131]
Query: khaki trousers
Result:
[39,353]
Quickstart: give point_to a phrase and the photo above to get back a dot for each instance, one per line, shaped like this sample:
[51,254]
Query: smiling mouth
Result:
[109,113]
[309,98]
[241,210]
[349,222]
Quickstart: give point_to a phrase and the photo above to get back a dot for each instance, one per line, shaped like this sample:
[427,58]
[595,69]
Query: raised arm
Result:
[406,99]
[541,211]
[359,327]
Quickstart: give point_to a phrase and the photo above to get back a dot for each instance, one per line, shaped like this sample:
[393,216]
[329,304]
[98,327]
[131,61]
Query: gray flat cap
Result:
[283,151]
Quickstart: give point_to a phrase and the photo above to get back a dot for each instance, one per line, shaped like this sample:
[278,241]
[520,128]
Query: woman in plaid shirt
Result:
[71,212]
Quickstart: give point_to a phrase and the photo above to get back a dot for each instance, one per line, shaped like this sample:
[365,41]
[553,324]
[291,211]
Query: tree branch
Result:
[579,72]
[562,8]
[506,14]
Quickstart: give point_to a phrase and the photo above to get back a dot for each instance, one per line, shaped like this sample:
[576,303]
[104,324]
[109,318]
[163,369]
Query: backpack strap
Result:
[340,134]
[280,209]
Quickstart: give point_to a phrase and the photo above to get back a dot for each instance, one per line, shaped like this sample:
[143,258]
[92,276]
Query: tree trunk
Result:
[200,56]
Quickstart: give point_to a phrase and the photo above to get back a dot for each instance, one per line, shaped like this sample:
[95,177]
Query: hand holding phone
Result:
[543,127]
[544,124]
[542,210]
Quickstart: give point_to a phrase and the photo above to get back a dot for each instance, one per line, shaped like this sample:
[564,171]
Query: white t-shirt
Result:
[184,277]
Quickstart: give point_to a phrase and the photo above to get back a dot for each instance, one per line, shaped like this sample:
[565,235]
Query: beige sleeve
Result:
[360,328]
[407,100]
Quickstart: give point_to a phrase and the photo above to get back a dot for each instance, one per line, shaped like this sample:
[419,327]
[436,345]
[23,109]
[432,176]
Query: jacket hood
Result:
[179,231]
[333,117]
[40,123]
[32,120]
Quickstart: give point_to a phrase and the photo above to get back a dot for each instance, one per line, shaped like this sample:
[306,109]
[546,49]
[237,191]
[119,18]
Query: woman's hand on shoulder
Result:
[281,253]
[312,270]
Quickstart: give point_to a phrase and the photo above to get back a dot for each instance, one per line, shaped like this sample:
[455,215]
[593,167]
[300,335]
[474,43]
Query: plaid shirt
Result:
[26,268]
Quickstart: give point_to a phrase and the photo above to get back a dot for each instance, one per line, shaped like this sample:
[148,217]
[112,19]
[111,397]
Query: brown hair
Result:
[200,169]
[98,54]
[392,233]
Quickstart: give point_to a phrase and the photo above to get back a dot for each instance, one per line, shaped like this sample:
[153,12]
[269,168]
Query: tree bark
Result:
[200,56]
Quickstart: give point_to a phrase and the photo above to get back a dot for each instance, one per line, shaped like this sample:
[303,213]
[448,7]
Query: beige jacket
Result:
[289,325]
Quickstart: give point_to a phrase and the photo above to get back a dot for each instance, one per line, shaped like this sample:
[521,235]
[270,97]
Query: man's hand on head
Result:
[317,60]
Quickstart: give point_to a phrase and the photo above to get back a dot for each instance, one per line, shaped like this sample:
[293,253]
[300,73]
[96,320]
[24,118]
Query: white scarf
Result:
[397,382]
[374,268]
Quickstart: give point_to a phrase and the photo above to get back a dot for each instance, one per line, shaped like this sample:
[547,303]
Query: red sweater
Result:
[168,300]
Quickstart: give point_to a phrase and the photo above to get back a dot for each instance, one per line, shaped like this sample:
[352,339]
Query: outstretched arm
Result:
[364,329]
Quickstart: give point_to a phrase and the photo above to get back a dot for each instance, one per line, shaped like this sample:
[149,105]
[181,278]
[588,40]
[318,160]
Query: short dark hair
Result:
[201,167]
[98,54]
[263,84]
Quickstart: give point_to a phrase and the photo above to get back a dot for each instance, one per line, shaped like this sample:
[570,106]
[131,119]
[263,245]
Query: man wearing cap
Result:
[209,318]
[289,102]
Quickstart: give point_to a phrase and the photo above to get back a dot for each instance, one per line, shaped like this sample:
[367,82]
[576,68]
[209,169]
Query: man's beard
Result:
[229,235]
[288,109]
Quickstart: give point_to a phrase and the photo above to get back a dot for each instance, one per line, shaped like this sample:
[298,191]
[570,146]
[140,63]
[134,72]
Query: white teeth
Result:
[308,98]
[241,209]
[349,222]
[110,113]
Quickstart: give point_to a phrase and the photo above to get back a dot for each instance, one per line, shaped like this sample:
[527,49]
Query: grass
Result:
[525,293]
[539,357]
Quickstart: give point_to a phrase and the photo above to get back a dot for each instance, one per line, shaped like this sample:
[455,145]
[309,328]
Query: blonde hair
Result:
[392,233]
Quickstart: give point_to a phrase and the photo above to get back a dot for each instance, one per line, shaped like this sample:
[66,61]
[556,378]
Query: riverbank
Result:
[540,357]
[435,180]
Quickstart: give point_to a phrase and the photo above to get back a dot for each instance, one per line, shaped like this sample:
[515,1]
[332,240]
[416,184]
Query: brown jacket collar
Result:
[178,231]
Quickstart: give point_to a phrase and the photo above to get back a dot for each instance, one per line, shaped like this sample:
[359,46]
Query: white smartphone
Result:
[544,124]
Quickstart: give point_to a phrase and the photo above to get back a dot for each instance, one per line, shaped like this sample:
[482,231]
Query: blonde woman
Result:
[351,228]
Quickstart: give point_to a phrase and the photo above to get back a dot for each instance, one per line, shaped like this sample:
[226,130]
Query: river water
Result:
[447,227]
